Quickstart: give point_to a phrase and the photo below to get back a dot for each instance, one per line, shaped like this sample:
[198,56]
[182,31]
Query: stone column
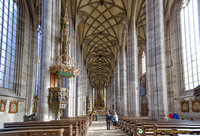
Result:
[173,49]
[104,96]
[108,100]
[83,83]
[123,81]
[117,85]
[72,81]
[31,71]
[112,93]
[156,69]
[132,66]
[46,59]
[198,4]
[51,17]
[80,86]
[90,92]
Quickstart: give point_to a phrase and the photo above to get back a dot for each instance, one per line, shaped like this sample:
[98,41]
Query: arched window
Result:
[39,49]
[8,34]
[143,62]
[190,43]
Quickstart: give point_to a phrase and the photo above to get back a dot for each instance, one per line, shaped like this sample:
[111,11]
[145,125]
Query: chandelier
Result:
[64,65]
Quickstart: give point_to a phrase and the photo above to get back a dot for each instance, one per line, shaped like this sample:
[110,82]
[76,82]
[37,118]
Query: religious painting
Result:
[185,106]
[143,85]
[3,105]
[196,105]
[13,107]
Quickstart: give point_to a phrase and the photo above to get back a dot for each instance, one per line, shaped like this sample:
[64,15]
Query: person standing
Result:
[170,115]
[108,118]
[175,116]
[96,116]
[115,120]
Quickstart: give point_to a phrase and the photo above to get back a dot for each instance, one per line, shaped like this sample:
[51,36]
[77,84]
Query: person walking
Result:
[108,118]
[96,116]
[115,120]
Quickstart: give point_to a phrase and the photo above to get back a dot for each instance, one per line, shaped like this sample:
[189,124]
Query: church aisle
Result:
[98,128]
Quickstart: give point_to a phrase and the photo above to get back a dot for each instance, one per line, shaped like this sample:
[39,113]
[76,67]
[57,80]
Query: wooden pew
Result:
[84,122]
[35,131]
[79,125]
[56,123]
[131,125]
[150,125]
[174,129]
[127,124]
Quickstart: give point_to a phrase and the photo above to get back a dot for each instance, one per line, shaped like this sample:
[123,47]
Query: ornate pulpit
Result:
[58,100]
[63,66]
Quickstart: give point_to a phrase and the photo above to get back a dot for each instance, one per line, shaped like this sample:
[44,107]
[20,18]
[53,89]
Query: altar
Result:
[99,102]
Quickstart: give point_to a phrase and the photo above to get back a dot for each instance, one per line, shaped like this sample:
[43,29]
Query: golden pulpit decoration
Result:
[64,65]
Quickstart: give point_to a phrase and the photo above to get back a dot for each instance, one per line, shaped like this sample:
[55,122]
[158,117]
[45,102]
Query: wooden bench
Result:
[131,125]
[72,126]
[127,123]
[84,122]
[53,124]
[176,129]
[150,125]
[43,130]
[35,132]
[81,124]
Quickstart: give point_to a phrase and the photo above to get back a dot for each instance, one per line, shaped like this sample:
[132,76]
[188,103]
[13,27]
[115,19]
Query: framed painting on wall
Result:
[196,105]
[13,107]
[185,106]
[3,105]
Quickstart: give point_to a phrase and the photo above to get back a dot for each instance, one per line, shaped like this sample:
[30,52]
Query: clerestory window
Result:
[190,36]
[143,63]
[8,34]
[38,65]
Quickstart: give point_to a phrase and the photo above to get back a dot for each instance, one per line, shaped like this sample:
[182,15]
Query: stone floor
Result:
[98,128]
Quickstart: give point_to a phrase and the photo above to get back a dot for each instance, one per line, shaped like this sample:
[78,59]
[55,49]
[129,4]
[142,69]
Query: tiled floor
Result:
[98,128]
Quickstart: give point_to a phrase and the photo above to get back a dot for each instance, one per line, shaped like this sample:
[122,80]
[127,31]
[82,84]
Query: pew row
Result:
[76,126]
[131,125]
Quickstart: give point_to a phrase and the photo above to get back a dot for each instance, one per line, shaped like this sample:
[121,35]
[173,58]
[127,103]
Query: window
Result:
[190,43]
[143,63]
[8,34]
[39,49]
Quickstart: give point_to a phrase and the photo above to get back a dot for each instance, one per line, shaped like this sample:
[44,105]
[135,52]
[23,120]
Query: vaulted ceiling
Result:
[102,29]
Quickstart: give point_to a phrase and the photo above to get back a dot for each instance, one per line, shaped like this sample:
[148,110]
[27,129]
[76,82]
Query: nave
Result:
[61,60]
